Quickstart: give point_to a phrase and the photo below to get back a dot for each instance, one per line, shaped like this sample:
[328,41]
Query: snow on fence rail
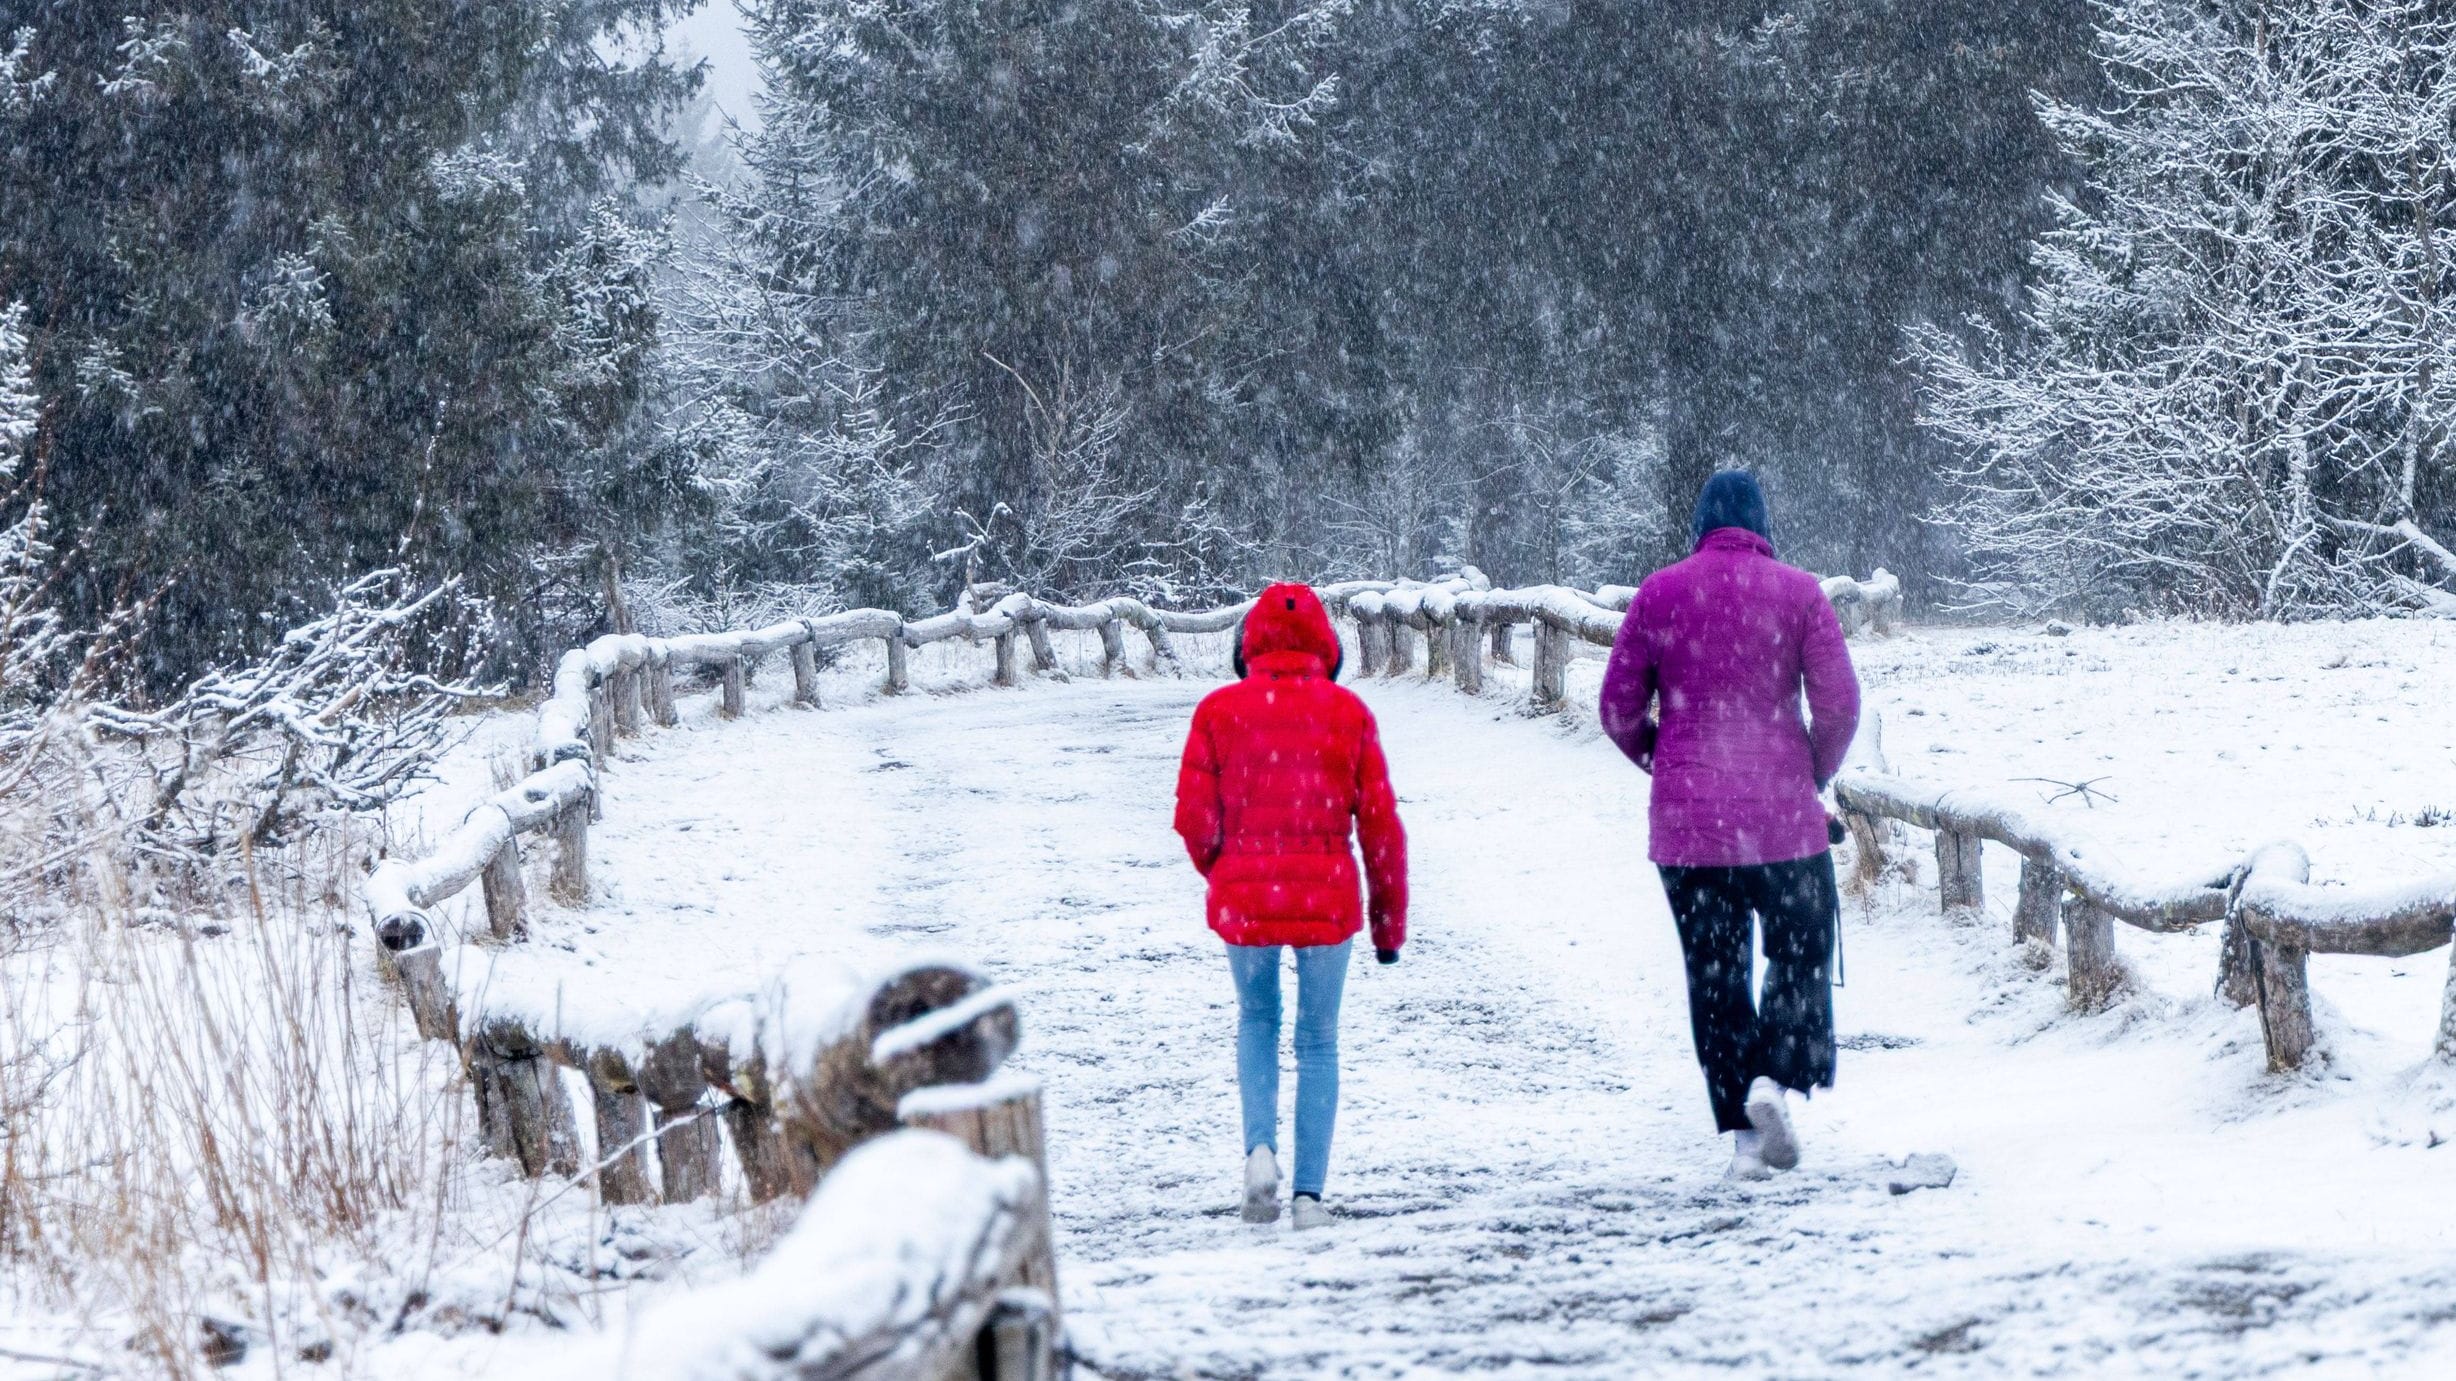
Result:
[809,1067]
[2275,918]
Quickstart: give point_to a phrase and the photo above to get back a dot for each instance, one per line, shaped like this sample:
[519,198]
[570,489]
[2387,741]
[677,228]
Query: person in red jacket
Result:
[1276,767]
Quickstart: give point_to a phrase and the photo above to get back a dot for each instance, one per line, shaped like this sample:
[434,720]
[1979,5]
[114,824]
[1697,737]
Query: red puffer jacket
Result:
[1276,767]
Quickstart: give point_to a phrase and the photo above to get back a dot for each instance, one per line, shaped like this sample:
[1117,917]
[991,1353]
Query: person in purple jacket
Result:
[1724,643]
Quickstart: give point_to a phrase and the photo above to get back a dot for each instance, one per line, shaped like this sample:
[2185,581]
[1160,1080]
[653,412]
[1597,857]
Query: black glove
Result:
[1834,833]
[1387,956]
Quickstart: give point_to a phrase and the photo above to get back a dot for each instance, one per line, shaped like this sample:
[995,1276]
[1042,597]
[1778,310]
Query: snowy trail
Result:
[1524,1174]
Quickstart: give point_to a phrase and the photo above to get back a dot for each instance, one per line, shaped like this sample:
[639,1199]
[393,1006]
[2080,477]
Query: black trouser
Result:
[1790,1038]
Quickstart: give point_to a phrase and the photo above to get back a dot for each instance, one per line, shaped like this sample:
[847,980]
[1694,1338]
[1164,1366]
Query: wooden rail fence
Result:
[2274,917]
[799,1074]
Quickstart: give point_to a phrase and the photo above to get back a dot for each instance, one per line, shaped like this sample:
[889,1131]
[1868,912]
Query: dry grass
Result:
[204,1119]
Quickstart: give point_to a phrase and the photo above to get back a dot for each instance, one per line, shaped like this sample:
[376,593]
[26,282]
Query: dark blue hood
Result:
[1731,499]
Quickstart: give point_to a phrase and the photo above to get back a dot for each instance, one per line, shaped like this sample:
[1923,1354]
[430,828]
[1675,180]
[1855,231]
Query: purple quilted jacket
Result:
[1728,639]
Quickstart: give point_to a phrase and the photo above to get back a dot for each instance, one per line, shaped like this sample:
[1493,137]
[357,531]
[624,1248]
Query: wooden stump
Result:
[1044,653]
[1551,666]
[2091,972]
[1402,658]
[622,1130]
[569,883]
[507,893]
[2285,1004]
[806,673]
[1113,647]
[688,1147]
[2042,901]
[1006,674]
[523,1112]
[1503,640]
[1467,654]
[1961,880]
[899,672]
[996,1119]
[736,684]
[661,691]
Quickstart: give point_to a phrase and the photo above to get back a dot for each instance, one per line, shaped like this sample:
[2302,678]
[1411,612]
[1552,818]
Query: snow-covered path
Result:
[1524,1175]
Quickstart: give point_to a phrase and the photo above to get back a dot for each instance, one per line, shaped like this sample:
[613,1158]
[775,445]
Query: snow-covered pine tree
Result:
[285,268]
[2231,387]
[1032,227]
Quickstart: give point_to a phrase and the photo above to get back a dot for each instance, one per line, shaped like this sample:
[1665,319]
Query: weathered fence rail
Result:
[800,1073]
[2275,918]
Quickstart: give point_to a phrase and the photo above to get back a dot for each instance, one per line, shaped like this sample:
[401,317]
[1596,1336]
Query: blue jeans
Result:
[1321,976]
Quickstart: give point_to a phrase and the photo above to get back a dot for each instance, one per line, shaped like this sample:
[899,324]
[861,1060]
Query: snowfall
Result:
[1525,1177]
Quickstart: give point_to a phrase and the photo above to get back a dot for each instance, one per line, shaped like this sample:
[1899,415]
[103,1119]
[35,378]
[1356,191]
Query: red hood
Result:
[1289,618]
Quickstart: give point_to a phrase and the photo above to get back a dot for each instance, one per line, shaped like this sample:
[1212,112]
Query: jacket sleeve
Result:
[1833,691]
[1628,689]
[1384,839]
[1201,821]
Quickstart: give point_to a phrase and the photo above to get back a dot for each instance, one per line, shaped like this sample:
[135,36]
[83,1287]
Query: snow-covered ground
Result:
[1525,1177]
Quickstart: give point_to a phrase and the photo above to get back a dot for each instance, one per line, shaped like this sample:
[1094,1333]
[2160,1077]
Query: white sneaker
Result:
[1309,1213]
[1771,1116]
[1262,1186]
[1747,1161]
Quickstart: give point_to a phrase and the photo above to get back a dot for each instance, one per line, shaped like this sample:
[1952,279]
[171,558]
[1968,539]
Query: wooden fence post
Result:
[569,883]
[1402,656]
[806,673]
[507,893]
[625,693]
[1551,666]
[735,683]
[2238,962]
[899,670]
[1961,879]
[1044,654]
[622,1121]
[688,1146]
[2285,1004]
[1503,636]
[772,1167]
[1006,674]
[523,1112]
[2091,972]
[1867,847]
[1372,642]
[2042,901]
[1019,1343]
[1113,647]
[1467,654]
[1006,1121]
[403,950]
[1437,642]
[661,689]
[600,723]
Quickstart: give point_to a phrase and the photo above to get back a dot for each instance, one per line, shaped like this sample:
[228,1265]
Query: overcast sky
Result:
[714,31]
